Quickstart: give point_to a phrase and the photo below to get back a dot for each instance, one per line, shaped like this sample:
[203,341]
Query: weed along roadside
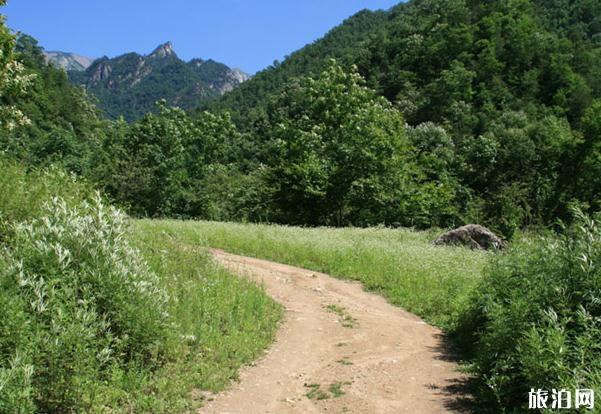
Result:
[340,345]
[400,264]
[366,255]
[102,316]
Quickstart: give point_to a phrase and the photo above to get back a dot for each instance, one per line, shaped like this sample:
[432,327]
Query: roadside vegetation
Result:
[96,318]
[535,319]
[434,114]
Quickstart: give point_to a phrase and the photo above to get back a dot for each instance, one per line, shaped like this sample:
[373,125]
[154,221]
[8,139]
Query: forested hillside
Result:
[434,113]
[509,50]
[505,90]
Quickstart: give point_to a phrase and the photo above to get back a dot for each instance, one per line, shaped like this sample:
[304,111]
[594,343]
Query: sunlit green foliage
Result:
[63,128]
[77,301]
[534,322]
[156,165]
[435,113]
[340,155]
[90,322]
[14,82]
[498,98]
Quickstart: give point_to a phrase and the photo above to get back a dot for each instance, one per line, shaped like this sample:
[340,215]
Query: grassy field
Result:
[400,264]
[224,321]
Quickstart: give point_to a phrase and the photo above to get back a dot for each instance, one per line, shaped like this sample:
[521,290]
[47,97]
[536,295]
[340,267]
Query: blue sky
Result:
[249,34]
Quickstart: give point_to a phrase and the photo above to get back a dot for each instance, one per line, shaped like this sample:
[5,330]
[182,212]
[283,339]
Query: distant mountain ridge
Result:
[68,61]
[129,85]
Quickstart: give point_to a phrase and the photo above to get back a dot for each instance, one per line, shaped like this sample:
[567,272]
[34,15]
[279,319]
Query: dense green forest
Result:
[434,113]
[499,98]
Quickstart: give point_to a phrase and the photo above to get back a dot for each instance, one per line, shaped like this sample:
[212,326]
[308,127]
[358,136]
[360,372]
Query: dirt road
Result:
[339,350]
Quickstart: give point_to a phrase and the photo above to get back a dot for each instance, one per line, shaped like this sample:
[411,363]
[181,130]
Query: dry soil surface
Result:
[362,355]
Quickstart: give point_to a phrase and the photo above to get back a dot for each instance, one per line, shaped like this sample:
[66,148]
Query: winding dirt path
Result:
[383,359]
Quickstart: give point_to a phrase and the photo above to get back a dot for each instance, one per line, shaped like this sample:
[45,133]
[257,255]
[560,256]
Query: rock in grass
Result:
[473,236]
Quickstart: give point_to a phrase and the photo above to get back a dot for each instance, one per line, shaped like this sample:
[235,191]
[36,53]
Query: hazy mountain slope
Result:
[68,61]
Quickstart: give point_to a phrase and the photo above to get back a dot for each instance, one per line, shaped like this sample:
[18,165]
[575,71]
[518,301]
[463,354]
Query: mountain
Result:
[423,48]
[344,43]
[129,85]
[68,61]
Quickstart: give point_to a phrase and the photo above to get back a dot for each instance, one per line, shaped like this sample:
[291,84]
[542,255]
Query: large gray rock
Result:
[472,235]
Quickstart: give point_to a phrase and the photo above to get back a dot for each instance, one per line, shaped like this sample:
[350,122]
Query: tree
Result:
[156,165]
[13,81]
[517,168]
[63,126]
[587,188]
[340,154]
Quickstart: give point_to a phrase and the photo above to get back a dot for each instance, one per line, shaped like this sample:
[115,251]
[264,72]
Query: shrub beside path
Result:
[340,350]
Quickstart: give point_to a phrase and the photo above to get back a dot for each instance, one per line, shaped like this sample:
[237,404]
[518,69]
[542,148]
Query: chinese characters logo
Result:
[561,399]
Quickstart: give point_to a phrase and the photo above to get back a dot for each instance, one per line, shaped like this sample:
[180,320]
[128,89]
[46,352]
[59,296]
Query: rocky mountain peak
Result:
[239,76]
[100,70]
[163,50]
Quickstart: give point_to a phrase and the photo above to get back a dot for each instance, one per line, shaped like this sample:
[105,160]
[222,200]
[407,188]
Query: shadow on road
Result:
[460,395]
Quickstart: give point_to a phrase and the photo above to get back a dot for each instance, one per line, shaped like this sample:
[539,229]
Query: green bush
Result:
[88,326]
[24,192]
[78,304]
[535,321]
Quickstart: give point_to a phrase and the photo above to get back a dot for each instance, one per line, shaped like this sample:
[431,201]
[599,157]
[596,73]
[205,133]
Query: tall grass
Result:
[223,321]
[97,319]
[527,318]
[535,322]
[400,264]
